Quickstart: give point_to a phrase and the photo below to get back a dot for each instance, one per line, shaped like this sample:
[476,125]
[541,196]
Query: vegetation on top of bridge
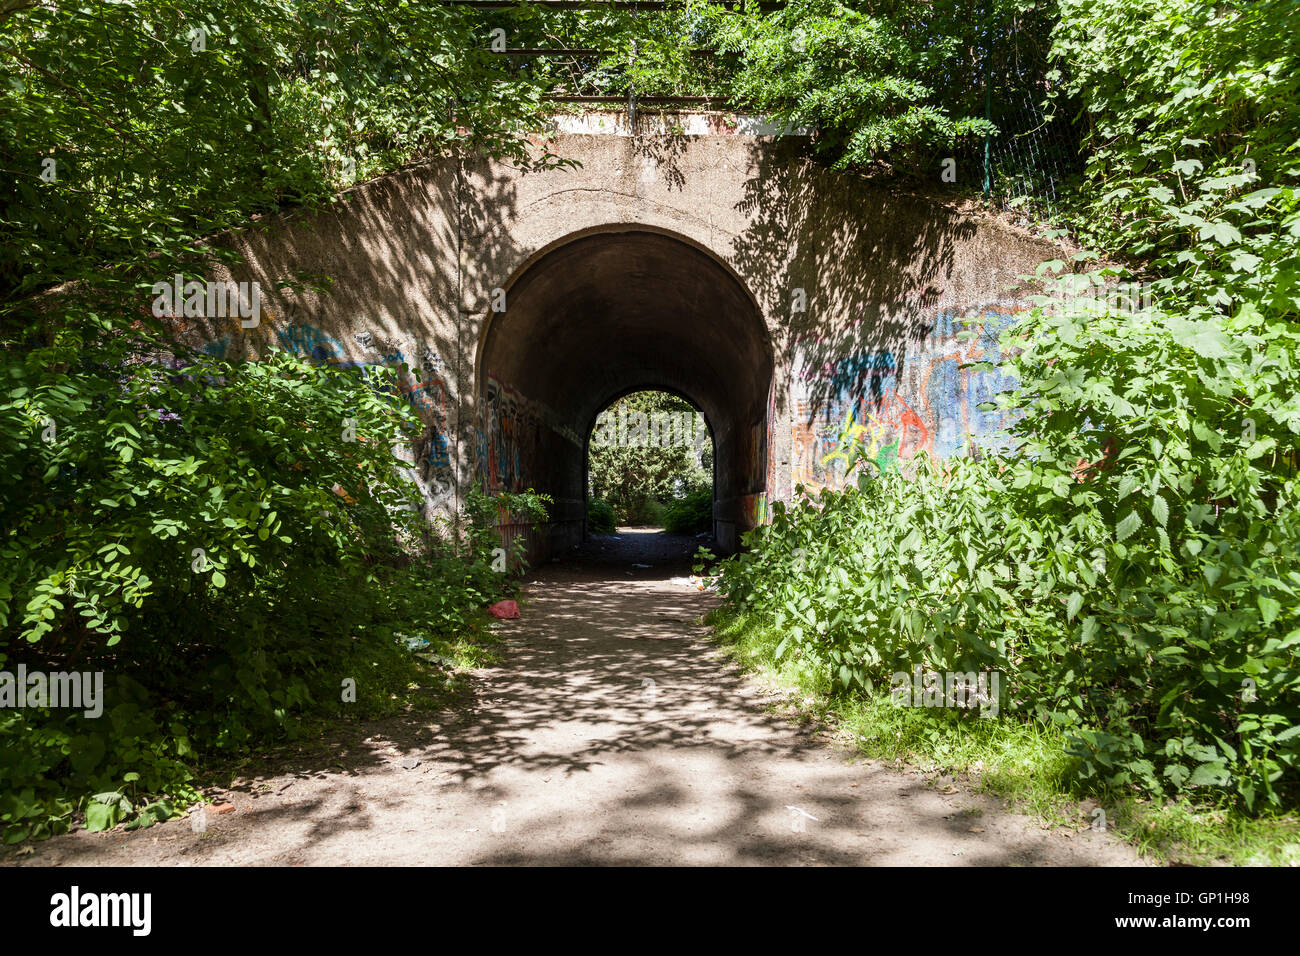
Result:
[887,86]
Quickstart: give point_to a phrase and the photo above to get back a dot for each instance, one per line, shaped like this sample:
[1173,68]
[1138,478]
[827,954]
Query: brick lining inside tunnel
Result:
[600,316]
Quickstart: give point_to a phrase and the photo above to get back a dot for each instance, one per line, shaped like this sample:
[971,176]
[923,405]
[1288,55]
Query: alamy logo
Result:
[83,691]
[636,429]
[212,300]
[74,909]
[951,689]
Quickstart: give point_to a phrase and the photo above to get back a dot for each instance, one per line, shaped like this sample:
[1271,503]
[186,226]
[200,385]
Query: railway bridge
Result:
[703,254]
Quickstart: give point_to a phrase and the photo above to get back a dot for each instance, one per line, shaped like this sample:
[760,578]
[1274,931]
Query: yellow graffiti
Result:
[850,447]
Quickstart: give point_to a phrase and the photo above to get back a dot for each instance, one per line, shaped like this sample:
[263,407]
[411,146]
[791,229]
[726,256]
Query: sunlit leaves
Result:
[875,87]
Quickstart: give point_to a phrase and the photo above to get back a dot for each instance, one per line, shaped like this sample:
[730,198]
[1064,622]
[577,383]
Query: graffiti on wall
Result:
[751,452]
[872,405]
[753,509]
[419,380]
[507,438]
[770,479]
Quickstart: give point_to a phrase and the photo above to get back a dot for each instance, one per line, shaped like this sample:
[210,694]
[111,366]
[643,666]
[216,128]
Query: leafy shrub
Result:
[227,544]
[692,514]
[485,515]
[135,484]
[241,675]
[646,511]
[600,516]
[1133,569]
[1134,574]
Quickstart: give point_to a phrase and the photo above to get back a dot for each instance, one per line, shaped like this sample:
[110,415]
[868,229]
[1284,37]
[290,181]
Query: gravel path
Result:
[611,733]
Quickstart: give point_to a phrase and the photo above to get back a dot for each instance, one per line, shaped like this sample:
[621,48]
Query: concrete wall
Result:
[848,291]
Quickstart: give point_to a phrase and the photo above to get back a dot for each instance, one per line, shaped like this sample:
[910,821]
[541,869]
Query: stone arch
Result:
[598,314]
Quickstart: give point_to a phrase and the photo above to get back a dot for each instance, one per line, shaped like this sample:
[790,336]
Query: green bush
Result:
[1134,574]
[1133,568]
[225,541]
[226,544]
[692,514]
[646,511]
[240,674]
[600,516]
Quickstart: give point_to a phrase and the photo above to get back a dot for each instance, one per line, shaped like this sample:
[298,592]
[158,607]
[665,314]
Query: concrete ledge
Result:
[663,123]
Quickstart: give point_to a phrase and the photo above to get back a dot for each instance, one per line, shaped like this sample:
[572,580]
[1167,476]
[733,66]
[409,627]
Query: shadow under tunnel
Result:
[603,314]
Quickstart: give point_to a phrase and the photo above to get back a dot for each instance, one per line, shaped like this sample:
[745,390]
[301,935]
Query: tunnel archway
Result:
[603,314]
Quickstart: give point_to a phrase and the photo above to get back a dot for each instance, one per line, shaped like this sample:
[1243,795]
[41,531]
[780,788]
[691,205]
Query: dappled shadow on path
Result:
[611,733]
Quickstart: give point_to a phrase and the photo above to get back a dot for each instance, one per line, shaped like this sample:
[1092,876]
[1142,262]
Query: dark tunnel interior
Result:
[610,313]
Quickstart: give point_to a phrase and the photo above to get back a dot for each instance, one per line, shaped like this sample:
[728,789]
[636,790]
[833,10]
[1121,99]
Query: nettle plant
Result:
[223,540]
[166,523]
[486,514]
[1132,566]
[1159,465]
[878,579]
[1133,569]
[138,482]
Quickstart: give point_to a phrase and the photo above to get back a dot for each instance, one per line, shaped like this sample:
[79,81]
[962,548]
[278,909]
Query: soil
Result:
[611,732]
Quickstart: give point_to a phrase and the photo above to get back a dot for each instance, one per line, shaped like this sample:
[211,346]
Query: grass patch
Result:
[1020,760]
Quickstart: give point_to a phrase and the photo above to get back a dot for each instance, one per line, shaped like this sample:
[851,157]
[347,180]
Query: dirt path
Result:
[610,734]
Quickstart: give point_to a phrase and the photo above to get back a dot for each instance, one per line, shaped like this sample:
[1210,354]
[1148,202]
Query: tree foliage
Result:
[636,467]
[225,541]
[168,120]
[1132,569]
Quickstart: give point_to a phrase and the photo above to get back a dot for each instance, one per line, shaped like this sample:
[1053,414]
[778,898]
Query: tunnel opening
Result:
[650,463]
[595,318]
